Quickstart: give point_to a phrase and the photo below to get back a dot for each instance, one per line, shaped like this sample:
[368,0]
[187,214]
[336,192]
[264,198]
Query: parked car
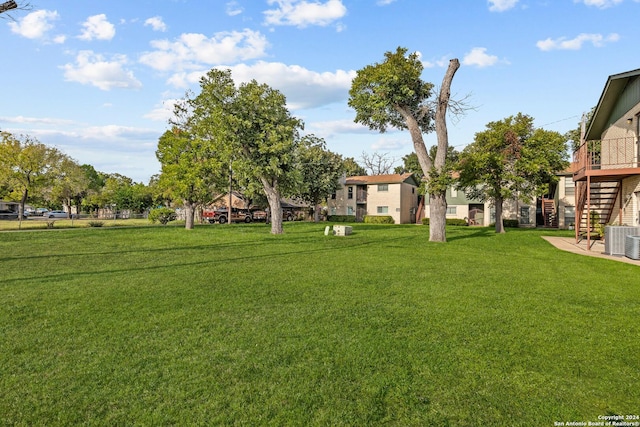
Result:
[56,214]
[222,215]
[7,214]
[41,211]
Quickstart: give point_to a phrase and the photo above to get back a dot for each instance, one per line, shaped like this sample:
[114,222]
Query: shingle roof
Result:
[381,179]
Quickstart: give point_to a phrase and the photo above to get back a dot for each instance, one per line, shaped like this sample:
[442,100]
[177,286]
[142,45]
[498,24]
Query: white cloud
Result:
[598,40]
[93,69]
[385,2]
[233,8]
[602,4]
[390,144]
[302,13]
[35,120]
[97,27]
[192,51]
[302,87]
[162,112]
[331,128]
[35,25]
[156,23]
[501,5]
[478,57]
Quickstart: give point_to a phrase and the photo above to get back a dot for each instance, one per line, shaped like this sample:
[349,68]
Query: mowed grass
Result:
[229,325]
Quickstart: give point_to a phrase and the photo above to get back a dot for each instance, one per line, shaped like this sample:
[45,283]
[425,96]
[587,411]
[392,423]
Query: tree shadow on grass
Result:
[480,232]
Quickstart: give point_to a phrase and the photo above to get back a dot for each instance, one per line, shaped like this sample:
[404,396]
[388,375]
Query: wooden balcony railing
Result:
[609,154]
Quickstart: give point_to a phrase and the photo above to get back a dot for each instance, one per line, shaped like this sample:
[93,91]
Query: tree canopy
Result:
[190,170]
[253,128]
[392,94]
[511,159]
[321,171]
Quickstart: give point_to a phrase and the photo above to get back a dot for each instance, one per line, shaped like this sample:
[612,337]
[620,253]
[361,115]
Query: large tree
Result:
[26,165]
[511,159]
[321,171]
[393,94]
[191,170]
[253,128]
[70,185]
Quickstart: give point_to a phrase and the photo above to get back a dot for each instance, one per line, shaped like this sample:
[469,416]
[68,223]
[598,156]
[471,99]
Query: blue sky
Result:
[97,79]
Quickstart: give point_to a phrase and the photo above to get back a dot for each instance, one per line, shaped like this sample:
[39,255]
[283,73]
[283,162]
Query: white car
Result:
[56,214]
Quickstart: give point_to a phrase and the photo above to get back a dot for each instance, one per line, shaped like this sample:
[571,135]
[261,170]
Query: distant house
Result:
[606,167]
[394,195]
[475,212]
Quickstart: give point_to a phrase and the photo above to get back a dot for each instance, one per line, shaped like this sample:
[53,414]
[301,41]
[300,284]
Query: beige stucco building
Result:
[394,195]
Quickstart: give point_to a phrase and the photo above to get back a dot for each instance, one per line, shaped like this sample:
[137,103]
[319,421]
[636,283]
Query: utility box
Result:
[615,238]
[342,230]
[632,247]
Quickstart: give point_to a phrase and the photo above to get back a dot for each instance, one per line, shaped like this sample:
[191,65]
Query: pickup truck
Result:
[222,215]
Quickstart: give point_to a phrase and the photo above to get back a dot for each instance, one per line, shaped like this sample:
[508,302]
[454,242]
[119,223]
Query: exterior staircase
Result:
[602,202]
[549,213]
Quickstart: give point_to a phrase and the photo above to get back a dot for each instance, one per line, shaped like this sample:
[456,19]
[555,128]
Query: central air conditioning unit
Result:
[614,238]
[632,247]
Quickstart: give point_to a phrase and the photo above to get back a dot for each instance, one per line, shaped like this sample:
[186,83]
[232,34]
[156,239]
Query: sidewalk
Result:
[597,249]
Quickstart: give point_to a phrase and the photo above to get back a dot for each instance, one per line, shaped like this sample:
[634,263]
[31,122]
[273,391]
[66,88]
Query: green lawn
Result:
[229,325]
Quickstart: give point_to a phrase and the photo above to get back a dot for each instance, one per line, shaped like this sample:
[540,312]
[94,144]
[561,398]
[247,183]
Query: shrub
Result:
[379,219]
[162,215]
[96,223]
[450,221]
[341,218]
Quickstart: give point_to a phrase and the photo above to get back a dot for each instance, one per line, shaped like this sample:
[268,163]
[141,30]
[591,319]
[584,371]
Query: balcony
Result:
[610,159]
[361,196]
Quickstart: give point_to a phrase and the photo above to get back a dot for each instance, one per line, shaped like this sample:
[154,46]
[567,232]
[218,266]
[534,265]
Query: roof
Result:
[614,87]
[382,179]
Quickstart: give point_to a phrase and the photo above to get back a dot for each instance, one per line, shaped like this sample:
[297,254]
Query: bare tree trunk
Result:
[316,213]
[499,223]
[438,200]
[437,217]
[189,213]
[275,206]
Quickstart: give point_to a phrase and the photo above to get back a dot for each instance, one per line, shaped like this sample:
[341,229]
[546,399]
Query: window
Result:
[383,187]
[569,215]
[333,196]
[383,209]
[524,215]
[452,210]
[569,186]
[454,192]
[350,193]
[349,210]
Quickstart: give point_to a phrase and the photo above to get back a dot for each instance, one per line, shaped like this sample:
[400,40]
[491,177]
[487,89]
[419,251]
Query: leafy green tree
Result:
[352,168]
[251,126]
[96,181]
[26,166]
[70,184]
[191,170]
[511,159]
[321,171]
[392,94]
